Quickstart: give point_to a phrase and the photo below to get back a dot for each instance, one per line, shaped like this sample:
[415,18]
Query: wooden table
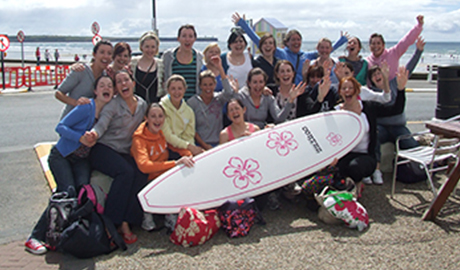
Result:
[447,129]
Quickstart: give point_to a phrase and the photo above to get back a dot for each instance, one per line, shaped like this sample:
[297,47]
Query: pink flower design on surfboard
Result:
[284,142]
[243,173]
[334,139]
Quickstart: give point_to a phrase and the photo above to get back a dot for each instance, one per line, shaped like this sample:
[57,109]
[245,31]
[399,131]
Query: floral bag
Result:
[237,217]
[194,227]
[344,206]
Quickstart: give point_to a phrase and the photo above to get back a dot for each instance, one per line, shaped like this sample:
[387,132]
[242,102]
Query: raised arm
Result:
[401,47]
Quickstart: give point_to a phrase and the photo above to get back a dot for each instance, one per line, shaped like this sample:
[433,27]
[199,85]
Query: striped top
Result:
[188,71]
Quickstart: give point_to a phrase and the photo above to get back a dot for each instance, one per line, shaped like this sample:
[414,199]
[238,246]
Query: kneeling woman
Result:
[111,155]
[68,158]
[361,161]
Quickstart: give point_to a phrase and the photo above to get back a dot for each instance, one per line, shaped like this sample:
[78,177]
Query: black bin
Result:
[448,91]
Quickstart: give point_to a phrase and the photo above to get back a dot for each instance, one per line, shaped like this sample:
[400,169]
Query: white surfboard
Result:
[252,165]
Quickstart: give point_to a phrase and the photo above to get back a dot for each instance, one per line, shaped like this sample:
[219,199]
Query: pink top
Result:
[230,133]
[393,54]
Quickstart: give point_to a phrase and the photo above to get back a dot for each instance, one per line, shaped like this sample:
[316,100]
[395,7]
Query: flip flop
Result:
[129,238]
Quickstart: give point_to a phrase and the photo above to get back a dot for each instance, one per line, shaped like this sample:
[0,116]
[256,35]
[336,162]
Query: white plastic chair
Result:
[441,149]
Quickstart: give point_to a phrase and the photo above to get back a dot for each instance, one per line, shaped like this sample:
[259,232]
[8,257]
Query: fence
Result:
[17,77]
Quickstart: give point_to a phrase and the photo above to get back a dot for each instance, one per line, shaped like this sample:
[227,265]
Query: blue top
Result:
[296,59]
[73,126]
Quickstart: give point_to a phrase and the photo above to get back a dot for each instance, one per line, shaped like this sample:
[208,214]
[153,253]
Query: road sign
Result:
[95,28]
[96,39]
[4,43]
[20,36]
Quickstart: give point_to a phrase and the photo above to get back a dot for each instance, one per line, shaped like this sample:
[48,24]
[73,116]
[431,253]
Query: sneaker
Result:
[377,177]
[272,201]
[35,247]
[367,180]
[147,222]
[291,191]
[170,222]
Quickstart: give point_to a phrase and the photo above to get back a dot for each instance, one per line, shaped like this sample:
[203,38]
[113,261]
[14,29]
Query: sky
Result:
[314,19]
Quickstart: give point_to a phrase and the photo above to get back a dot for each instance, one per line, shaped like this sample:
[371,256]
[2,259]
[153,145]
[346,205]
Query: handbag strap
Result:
[148,70]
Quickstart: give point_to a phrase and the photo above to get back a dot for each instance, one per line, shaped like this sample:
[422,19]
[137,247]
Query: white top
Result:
[362,146]
[240,72]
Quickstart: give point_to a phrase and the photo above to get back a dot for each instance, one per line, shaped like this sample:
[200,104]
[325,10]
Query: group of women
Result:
[166,110]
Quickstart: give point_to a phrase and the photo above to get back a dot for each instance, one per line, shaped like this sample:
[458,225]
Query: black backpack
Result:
[58,214]
[91,233]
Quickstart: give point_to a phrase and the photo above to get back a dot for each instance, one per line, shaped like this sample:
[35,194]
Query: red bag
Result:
[194,227]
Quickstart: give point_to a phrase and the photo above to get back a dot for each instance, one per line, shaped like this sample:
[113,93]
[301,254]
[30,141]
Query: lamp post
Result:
[154,19]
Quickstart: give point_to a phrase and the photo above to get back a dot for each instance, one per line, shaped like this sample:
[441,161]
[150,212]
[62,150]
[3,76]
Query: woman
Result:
[148,70]
[111,155]
[392,55]
[361,161]
[120,59]
[284,78]
[76,87]
[210,52]
[237,62]
[259,106]
[359,64]
[150,151]
[267,60]
[184,60]
[68,158]
[208,106]
[391,127]
[324,48]
[292,44]
[179,127]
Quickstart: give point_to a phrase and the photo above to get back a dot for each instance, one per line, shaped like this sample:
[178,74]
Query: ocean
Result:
[435,52]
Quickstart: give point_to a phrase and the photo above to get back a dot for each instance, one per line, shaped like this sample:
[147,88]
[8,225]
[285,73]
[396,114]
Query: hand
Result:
[324,87]
[420,20]
[339,70]
[216,61]
[334,162]
[267,91]
[271,125]
[327,66]
[305,66]
[402,76]
[346,34]
[187,161]
[420,44]
[296,91]
[235,18]
[195,149]
[78,67]
[385,69]
[83,100]
[89,138]
[234,84]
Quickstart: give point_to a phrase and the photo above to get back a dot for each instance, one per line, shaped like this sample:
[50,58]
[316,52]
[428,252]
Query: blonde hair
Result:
[324,40]
[148,35]
[210,46]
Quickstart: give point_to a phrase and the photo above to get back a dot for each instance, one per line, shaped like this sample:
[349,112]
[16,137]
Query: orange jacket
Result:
[151,152]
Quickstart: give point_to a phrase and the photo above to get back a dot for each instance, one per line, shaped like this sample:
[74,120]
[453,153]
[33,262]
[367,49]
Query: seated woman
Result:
[390,128]
[208,106]
[111,155]
[210,52]
[179,127]
[68,159]
[237,62]
[359,64]
[259,106]
[361,161]
[150,151]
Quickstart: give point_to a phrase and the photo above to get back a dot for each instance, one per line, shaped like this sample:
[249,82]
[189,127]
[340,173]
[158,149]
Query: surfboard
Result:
[252,165]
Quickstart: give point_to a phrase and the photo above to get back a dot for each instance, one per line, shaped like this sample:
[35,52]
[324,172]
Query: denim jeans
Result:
[390,134]
[122,203]
[70,172]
